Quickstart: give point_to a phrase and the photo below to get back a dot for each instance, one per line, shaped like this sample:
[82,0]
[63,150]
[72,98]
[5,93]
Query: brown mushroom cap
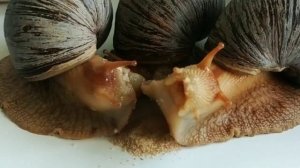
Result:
[39,108]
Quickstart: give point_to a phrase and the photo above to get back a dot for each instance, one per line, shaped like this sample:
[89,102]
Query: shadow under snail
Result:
[233,94]
[237,92]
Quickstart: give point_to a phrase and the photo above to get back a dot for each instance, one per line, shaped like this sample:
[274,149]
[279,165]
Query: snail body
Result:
[56,42]
[163,32]
[239,94]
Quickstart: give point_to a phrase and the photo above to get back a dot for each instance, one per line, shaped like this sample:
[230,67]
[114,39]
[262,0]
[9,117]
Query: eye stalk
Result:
[208,59]
[206,63]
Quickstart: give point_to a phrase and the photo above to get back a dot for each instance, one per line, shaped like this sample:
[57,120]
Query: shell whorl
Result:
[46,38]
[163,31]
[259,35]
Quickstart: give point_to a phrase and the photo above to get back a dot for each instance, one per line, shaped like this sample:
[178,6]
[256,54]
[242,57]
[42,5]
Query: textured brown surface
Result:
[39,107]
[272,106]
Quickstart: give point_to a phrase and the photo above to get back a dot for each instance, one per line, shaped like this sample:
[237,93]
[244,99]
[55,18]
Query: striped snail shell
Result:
[163,31]
[46,38]
[259,36]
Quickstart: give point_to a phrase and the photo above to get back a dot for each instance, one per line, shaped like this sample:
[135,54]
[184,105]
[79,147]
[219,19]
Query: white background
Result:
[19,148]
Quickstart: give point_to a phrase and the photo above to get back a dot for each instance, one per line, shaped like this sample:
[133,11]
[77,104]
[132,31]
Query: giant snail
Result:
[74,92]
[236,92]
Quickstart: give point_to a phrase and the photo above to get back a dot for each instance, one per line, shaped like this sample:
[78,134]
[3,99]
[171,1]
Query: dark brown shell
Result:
[259,35]
[163,31]
[46,38]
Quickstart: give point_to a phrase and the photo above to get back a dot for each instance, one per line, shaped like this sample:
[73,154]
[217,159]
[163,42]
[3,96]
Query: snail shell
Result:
[47,38]
[259,36]
[163,31]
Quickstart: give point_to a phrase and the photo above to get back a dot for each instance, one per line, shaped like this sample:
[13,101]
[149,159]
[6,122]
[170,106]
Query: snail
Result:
[53,82]
[239,87]
[159,32]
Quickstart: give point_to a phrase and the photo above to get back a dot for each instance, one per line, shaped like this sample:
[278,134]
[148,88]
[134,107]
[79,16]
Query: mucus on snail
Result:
[237,94]
[56,42]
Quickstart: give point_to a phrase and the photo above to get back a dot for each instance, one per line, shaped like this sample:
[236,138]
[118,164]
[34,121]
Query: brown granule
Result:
[147,132]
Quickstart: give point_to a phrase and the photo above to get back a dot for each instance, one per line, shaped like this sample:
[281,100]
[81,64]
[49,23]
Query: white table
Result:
[19,148]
